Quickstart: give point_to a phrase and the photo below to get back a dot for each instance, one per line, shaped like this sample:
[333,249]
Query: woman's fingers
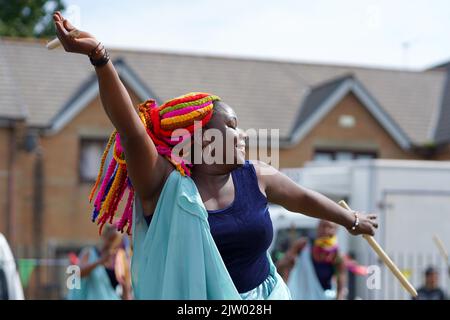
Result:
[60,30]
[58,13]
[62,34]
[56,17]
[65,23]
[68,25]
[373,219]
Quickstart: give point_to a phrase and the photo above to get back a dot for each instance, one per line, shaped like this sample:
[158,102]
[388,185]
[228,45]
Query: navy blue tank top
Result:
[324,271]
[243,231]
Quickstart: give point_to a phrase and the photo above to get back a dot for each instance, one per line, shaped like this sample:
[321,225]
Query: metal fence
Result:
[413,266]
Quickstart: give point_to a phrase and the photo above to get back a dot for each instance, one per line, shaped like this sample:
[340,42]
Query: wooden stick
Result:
[385,258]
[55,43]
[441,247]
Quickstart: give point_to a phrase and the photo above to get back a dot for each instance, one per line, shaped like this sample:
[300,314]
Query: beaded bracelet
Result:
[356,223]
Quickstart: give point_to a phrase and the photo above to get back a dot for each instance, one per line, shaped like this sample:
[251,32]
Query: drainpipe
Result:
[10,202]
[38,210]
[32,145]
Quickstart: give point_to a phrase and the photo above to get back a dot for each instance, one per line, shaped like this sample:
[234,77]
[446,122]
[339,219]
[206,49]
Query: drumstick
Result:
[441,247]
[385,258]
[56,43]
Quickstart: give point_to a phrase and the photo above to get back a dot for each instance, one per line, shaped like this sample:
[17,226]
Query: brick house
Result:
[53,128]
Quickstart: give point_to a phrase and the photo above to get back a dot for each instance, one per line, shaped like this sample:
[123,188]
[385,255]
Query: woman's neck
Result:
[210,178]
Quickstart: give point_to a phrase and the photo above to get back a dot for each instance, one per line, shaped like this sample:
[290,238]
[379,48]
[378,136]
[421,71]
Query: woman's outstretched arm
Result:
[283,191]
[147,170]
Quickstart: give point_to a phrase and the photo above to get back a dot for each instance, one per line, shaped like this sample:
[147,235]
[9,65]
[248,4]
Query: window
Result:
[323,156]
[91,151]
[343,155]
[339,155]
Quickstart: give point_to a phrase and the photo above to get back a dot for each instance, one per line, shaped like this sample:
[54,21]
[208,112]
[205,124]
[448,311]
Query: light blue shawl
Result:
[303,282]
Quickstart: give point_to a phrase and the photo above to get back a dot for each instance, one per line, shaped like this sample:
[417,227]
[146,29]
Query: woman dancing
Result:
[208,227]
[317,270]
[98,272]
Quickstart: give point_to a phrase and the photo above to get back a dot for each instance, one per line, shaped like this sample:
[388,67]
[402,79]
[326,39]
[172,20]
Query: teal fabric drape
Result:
[303,282]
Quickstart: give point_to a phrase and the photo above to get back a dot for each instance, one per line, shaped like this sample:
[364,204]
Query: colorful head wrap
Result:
[325,249]
[161,124]
[327,243]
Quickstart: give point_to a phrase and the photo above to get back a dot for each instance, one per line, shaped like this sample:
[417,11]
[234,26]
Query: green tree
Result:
[28,18]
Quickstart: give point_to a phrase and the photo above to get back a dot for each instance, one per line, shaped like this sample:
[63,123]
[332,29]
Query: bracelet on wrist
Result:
[355,222]
[99,47]
[102,60]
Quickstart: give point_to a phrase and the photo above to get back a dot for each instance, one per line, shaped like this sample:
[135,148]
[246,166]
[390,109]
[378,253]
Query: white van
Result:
[10,286]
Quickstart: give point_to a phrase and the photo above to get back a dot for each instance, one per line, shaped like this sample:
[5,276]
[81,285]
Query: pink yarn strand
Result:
[108,175]
[127,211]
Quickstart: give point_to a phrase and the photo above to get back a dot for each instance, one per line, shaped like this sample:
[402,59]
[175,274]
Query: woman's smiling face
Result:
[225,123]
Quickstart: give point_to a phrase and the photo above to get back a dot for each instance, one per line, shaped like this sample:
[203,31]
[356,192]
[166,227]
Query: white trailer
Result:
[412,199]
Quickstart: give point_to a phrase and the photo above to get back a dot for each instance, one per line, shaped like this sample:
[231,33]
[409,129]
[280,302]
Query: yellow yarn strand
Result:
[141,115]
[118,159]
[177,166]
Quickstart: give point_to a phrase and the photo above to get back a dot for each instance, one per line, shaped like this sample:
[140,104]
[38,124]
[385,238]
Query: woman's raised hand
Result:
[368,223]
[84,43]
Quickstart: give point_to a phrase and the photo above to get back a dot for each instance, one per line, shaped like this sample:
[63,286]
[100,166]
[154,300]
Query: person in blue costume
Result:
[315,270]
[208,228]
[97,271]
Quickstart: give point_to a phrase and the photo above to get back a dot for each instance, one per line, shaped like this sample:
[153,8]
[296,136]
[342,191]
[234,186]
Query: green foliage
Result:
[28,18]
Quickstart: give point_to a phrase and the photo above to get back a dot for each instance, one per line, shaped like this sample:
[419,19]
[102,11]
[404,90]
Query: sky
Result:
[396,34]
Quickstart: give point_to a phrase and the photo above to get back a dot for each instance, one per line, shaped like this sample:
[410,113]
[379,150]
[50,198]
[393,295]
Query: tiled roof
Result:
[265,94]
